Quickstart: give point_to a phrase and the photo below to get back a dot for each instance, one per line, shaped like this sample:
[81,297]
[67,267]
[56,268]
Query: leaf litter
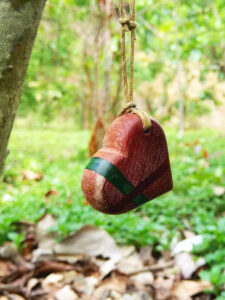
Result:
[89,265]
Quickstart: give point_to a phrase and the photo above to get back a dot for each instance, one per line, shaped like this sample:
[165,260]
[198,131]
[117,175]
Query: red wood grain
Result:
[138,156]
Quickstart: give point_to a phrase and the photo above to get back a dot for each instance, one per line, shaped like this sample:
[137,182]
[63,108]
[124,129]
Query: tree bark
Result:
[19,20]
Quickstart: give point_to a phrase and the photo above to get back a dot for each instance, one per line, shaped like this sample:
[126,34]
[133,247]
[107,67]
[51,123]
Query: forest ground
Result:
[42,176]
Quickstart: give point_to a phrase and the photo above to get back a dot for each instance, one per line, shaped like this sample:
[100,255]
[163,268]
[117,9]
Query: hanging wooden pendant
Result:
[130,169]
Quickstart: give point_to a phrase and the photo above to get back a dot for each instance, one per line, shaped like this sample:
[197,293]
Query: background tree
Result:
[19,21]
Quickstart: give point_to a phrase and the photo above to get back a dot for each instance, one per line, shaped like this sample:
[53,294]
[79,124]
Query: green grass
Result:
[198,164]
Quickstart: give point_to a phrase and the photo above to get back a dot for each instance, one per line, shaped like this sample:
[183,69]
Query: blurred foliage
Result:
[189,32]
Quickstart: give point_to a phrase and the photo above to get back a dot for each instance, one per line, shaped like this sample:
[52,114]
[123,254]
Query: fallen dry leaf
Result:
[188,288]
[144,278]
[162,287]
[130,264]
[219,190]
[29,245]
[117,284]
[94,242]
[187,244]
[105,266]
[52,193]
[15,297]
[146,255]
[47,267]
[140,295]
[113,295]
[31,175]
[70,258]
[69,276]
[54,278]
[188,234]
[8,251]
[33,282]
[66,293]
[85,285]
[52,282]
[205,153]
[91,241]
[187,265]
[6,267]
[42,254]
[46,239]
[97,136]
[127,250]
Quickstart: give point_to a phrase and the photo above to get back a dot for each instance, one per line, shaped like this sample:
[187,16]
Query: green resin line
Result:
[115,177]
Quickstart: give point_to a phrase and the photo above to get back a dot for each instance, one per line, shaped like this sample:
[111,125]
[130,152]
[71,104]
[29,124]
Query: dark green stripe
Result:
[114,176]
[139,200]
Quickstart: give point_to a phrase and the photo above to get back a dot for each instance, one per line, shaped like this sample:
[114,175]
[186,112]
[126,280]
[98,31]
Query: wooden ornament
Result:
[130,169]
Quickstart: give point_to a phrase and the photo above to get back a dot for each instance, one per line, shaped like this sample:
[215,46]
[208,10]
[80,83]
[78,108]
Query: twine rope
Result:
[128,25]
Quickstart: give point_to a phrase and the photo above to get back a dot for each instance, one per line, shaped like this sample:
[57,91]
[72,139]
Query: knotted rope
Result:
[128,25]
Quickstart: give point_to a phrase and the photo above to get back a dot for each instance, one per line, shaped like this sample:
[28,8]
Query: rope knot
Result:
[127,23]
[132,24]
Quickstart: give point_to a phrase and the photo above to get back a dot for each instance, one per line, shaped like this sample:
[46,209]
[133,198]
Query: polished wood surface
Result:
[141,158]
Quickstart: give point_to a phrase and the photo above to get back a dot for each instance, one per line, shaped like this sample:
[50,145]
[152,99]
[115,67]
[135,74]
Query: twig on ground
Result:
[11,288]
[153,268]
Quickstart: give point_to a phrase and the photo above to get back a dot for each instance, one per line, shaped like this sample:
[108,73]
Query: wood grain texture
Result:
[141,158]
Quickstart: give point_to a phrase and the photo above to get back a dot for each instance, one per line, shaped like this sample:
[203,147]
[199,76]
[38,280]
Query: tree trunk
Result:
[19,20]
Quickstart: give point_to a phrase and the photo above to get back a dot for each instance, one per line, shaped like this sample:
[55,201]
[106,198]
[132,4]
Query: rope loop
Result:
[130,107]
[127,108]
[145,119]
